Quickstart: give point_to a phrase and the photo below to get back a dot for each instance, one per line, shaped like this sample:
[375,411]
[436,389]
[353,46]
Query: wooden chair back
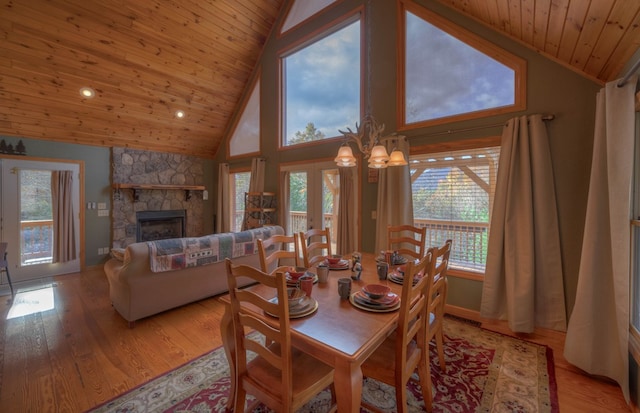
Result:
[407,240]
[408,345]
[438,296]
[279,377]
[315,245]
[279,252]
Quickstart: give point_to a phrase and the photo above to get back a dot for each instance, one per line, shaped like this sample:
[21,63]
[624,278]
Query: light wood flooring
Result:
[81,353]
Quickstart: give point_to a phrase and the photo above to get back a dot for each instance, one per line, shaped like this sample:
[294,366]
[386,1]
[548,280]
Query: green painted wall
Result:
[551,88]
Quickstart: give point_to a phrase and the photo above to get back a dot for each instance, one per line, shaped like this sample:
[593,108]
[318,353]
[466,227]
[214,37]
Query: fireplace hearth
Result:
[156,225]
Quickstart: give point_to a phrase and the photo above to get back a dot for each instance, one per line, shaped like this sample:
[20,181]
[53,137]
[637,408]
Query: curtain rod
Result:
[630,73]
[495,125]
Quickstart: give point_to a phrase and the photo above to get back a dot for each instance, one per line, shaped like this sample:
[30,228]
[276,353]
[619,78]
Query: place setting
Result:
[337,263]
[294,275]
[300,304]
[391,258]
[397,275]
[376,298]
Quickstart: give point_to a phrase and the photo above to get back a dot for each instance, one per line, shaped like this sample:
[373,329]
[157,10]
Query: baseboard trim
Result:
[462,312]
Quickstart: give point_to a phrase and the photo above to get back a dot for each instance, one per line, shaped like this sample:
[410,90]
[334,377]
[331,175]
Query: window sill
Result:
[467,275]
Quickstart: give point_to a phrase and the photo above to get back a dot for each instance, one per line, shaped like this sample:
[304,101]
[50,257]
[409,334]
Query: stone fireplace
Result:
[155,225]
[139,167]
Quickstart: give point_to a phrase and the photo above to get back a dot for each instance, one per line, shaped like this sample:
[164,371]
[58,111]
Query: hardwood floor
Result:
[81,353]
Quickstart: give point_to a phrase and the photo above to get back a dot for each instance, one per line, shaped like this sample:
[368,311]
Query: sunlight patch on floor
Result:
[31,302]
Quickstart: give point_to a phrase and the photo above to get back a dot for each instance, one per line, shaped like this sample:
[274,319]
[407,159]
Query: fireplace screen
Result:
[155,225]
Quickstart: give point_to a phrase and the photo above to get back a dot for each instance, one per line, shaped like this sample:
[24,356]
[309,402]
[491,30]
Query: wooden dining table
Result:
[338,333]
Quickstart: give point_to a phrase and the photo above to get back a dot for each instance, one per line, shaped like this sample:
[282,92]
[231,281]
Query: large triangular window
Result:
[245,139]
[451,74]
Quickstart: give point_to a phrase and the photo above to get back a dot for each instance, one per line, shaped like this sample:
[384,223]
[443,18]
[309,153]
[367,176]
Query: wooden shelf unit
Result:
[259,209]
[147,187]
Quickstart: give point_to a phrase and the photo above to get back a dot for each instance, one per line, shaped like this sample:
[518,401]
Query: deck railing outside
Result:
[470,239]
[36,238]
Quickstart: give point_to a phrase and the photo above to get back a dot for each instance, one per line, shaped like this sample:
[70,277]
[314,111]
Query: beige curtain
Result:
[598,334]
[64,240]
[223,215]
[347,219]
[523,280]
[395,204]
[285,205]
[256,182]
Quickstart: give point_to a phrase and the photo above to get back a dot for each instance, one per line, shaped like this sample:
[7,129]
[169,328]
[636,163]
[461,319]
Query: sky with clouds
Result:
[444,76]
[323,83]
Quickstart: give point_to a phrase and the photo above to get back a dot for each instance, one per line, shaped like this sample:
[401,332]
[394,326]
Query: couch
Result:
[146,278]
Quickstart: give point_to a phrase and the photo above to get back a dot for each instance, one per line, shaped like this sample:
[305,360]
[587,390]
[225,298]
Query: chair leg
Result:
[440,347]
[424,371]
[6,269]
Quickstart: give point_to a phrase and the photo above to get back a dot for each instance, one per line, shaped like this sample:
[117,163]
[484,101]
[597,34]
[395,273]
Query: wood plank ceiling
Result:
[147,59]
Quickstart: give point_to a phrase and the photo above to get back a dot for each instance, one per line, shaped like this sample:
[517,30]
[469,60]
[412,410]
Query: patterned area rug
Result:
[485,372]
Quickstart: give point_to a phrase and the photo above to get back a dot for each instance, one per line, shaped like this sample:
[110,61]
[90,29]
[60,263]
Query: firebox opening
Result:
[156,225]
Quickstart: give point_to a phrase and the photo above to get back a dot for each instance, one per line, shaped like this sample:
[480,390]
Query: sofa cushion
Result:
[179,253]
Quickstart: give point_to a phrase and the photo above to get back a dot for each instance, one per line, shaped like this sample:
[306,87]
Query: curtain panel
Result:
[64,242]
[523,278]
[598,333]
[395,202]
[347,218]
[223,215]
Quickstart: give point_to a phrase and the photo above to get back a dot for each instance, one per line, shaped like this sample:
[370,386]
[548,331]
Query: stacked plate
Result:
[398,277]
[304,307]
[341,265]
[388,302]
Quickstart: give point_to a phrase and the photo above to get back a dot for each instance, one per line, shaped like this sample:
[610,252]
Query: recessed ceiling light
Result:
[87,92]
[179,114]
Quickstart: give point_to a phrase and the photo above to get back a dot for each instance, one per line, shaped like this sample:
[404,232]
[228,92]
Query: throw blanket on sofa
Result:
[179,253]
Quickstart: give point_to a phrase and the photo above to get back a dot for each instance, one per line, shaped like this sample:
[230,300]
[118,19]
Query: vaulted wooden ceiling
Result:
[148,58]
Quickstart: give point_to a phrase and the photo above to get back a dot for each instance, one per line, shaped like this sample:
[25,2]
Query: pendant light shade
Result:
[397,158]
[345,156]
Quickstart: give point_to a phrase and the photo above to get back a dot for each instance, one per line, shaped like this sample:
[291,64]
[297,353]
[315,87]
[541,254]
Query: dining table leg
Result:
[228,343]
[347,378]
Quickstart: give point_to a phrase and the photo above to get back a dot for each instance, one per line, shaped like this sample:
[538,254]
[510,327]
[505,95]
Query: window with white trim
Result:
[453,198]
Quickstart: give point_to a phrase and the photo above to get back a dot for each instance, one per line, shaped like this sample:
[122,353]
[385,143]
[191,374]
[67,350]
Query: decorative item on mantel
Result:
[8,149]
[369,140]
[148,187]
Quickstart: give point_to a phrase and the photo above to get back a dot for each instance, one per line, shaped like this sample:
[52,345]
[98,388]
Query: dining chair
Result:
[438,296]
[279,252]
[407,349]
[407,240]
[315,245]
[280,376]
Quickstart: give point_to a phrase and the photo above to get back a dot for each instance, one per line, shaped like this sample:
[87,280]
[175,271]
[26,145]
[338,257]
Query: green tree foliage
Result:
[35,195]
[309,134]
[298,191]
[452,200]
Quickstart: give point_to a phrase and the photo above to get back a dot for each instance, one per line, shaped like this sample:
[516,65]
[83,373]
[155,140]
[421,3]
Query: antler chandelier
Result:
[368,137]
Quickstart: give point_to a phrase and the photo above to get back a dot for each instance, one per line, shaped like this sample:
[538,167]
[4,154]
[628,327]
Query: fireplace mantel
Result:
[138,187]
